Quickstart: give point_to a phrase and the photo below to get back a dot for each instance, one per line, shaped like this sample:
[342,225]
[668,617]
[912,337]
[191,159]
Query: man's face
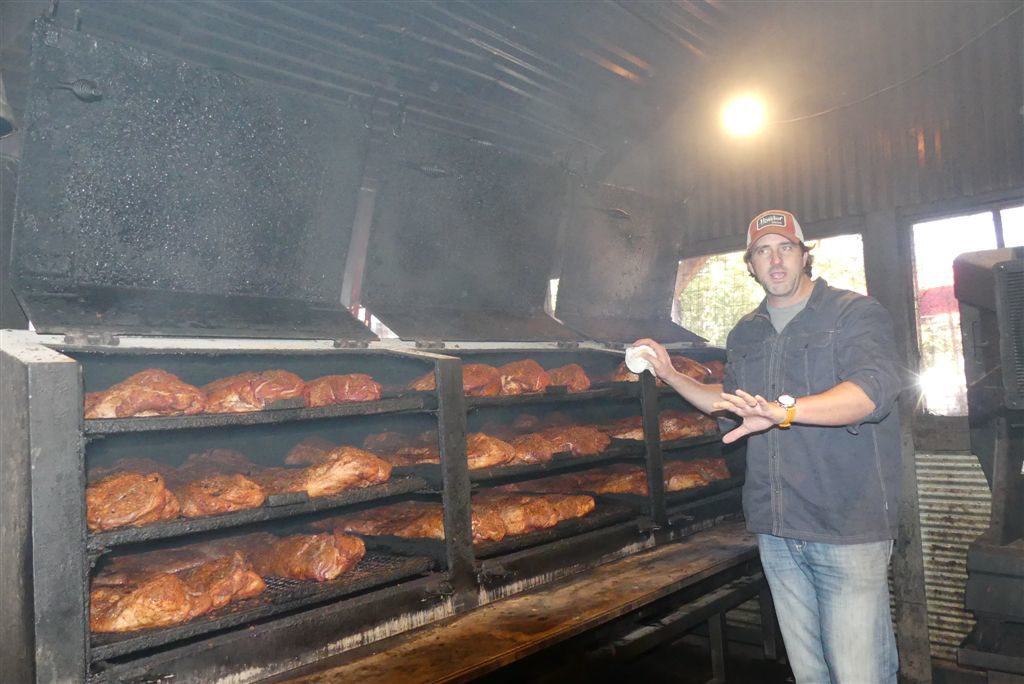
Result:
[778,265]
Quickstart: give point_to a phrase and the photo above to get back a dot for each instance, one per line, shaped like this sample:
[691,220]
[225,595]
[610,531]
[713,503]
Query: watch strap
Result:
[790,415]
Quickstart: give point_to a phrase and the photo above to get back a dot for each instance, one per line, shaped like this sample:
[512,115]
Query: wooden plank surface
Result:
[482,640]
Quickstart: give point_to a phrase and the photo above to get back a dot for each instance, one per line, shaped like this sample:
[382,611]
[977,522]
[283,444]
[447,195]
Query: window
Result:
[713,292]
[936,244]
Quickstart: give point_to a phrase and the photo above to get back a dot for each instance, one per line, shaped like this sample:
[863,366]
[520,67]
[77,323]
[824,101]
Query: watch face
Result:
[786,401]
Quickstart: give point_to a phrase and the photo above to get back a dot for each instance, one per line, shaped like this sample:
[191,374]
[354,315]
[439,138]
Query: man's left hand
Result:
[758,413]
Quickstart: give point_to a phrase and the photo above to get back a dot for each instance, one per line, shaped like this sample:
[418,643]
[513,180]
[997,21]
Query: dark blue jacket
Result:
[822,484]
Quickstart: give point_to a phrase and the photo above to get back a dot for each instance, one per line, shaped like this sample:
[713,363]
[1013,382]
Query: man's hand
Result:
[697,393]
[660,360]
[758,413]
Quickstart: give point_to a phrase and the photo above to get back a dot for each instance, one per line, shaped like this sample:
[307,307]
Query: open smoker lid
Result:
[619,268]
[462,242]
[159,197]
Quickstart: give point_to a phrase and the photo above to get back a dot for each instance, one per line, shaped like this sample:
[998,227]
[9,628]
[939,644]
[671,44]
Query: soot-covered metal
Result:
[157,196]
[619,266]
[463,240]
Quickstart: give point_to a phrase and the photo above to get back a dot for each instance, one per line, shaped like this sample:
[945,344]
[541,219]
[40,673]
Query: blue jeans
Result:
[832,601]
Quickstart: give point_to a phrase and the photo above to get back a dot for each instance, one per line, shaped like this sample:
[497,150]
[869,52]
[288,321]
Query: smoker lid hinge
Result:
[617,346]
[92,339]
[564,344]
[351,344]
[429,344]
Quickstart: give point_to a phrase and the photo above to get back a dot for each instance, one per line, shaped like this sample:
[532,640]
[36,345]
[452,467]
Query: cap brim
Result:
[775,230]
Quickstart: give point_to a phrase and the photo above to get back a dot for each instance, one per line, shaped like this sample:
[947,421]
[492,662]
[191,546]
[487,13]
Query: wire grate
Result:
[281,595]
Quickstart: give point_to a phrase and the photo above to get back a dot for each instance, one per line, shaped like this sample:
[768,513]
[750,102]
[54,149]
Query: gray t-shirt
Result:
[784,314]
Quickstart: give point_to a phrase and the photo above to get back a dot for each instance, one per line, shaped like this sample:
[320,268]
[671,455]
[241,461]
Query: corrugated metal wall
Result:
[953,130]
[955,504]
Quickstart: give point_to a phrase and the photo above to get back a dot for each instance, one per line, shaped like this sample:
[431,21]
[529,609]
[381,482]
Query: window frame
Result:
[934,433]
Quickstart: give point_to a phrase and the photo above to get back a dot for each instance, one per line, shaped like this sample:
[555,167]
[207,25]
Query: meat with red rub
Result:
[219,494]
[680,475]
[337,389]
[345,468]
[157,600]
[571,506]
[414,520]
[672,424]
[690,368]
[148,594]
[128,498]
[620,478]
[523,377]
[304,556]
[533,448]
[218,582]
[251,391]
[581,440]
[712,468]
[521,513]
[680,424]
[484,451]
[571,376]
[151,392]
[683,364]
[478,380]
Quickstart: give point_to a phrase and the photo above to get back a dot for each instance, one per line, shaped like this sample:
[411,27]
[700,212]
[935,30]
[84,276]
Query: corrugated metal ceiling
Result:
[548,78]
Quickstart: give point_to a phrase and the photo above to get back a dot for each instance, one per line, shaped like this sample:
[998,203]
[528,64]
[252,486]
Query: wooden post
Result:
[887,267]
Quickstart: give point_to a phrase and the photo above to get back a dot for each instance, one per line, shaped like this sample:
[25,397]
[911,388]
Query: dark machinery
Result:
[990,288]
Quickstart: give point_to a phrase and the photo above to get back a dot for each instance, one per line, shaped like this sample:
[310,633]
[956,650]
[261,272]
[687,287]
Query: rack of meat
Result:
[139,491]
[156,392]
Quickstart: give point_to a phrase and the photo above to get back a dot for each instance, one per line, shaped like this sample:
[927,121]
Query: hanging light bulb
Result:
[744,116]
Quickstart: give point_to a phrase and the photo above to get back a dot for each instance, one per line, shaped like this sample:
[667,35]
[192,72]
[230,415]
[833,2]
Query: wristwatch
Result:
[789,403]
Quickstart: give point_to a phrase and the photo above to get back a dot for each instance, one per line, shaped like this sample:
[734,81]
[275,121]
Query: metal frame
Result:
[451,432]
[46,618]
[650,408]
[282,596]
[286,642]
[43,417]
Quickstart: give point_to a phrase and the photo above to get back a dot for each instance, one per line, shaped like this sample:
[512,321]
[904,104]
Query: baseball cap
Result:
[774,222]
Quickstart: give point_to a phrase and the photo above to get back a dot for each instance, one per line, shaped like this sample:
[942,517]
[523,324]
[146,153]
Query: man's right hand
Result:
[659,360]
[699,395]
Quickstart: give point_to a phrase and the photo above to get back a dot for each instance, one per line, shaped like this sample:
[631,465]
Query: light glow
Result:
[744,116]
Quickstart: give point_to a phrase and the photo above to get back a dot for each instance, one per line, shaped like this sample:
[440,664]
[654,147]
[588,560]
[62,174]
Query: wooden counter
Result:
[500,633]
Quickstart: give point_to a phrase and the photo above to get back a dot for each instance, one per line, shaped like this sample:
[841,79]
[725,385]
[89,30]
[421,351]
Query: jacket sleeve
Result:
[866,355]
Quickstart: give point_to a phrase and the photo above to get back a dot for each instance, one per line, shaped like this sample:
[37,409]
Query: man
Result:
[812,373]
